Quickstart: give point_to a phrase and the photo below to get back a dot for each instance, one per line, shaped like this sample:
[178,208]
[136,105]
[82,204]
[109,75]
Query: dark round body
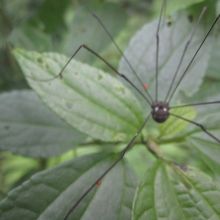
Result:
[160,111]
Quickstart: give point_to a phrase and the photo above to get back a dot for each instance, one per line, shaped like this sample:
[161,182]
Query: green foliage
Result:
[174,5]
[88,98]
[176,194]
[172,126]
[171,173]
[54,193]
[95,37]
[142,48]
[29,128]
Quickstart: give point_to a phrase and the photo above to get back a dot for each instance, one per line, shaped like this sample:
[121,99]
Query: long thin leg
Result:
[195,104]
[60,74]
[121,53]
[121,156]
[109,65]
[157,49]
[193,58]
[195,26]
[198,125]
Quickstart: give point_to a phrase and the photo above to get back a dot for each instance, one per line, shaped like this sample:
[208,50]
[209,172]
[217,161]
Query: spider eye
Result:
[156,109]
[165,109]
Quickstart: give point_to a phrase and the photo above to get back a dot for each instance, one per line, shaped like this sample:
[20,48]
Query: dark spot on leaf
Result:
[40,60]
[100,77]
[169,21]
[190,18]
[98,183]
[120,89]
[69,105]
[183,167]
[119,136]
[6,127]
[82,30]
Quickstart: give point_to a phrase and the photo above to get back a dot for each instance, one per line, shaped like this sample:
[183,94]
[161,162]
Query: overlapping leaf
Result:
[85,29]
[29,128]
[141,54]
[173,126]
[171,195]
[96,103]
[177,5]
[87,98]
[208,151]
[50,194]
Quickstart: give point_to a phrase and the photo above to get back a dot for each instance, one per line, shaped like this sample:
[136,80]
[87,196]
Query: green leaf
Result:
[31,38]
[208,152]
[175,5]
[29,128]
[213,69]
[84,29]
[18,11]
[173,38]
[15,169]
[212,86]
[5,28]
[87,98]
[51,13]
[137,157]
[50,194]
[176,194]
[209,117]
[173,126]
[155,199]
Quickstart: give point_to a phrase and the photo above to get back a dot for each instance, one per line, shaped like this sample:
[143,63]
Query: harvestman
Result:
[160,110]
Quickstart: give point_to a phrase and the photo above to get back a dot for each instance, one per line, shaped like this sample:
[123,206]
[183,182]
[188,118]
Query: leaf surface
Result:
[176,194]
[94,102]
[50,194]
[29,128]
[142,49]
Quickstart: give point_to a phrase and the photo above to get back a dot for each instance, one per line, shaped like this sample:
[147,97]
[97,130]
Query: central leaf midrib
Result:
[174,195]
[81,173]
[69,85]
[91,120]
[204,197]
[127,104]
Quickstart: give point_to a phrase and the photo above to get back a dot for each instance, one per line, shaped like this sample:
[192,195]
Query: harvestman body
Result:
[160,110]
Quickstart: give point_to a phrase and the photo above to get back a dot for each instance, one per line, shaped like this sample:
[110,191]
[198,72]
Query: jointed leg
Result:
[157,49]
[121,53]
[121,156]
[196,104]
[108,64]
[198,125]
[184,52]
[193,58]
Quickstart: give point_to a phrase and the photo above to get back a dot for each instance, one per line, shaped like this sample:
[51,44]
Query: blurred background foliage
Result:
[61,26]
